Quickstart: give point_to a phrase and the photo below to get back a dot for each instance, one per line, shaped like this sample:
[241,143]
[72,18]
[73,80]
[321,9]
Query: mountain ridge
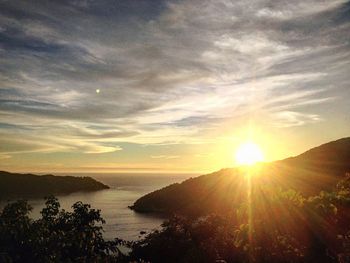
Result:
[315,170]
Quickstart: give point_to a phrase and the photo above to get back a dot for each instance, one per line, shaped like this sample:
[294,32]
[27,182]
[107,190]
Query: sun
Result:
[249,153]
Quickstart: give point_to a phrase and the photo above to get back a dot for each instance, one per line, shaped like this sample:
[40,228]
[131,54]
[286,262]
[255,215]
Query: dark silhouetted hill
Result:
[318,169]
[14,185]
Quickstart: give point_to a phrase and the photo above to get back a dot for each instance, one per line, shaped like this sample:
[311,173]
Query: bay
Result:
[124,190]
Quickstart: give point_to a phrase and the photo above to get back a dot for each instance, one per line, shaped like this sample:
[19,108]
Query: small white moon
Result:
[97,91]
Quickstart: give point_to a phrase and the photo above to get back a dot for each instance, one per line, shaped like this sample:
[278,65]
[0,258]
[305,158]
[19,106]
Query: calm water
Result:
[125,189]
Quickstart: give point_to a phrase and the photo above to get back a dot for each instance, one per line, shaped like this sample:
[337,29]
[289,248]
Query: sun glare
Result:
[249,153]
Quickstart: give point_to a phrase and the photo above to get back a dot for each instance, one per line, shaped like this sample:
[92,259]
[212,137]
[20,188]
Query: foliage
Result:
[58,236]
[271,225]
[184,240]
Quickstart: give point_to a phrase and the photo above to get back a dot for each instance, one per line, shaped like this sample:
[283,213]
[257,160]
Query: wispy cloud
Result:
[165,156]
[286,119]
[166,70]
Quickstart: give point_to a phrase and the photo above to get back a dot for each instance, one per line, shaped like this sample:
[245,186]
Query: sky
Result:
[169,86]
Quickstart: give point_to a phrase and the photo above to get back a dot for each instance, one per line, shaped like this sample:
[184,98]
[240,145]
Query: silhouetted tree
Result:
[273,225]
[58,236]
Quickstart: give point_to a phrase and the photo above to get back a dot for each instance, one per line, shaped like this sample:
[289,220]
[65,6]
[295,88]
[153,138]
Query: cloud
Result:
[92,148]
[286,119]
[165,156]
[167,71]
[4,156]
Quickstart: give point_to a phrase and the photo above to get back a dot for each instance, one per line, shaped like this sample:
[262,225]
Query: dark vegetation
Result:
[14,185]
[311,172]
[271,225]
[221,217]
[58,236]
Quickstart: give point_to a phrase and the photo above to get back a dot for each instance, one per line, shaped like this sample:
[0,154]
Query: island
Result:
[15,185]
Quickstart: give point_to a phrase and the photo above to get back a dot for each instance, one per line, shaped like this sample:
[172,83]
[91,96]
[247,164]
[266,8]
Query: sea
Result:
[124,190]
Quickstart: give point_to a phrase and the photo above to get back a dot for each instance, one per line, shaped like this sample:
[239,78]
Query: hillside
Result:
[309,173]
[13,185]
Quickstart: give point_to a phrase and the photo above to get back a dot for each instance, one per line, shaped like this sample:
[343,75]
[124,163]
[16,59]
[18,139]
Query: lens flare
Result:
[249,153]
